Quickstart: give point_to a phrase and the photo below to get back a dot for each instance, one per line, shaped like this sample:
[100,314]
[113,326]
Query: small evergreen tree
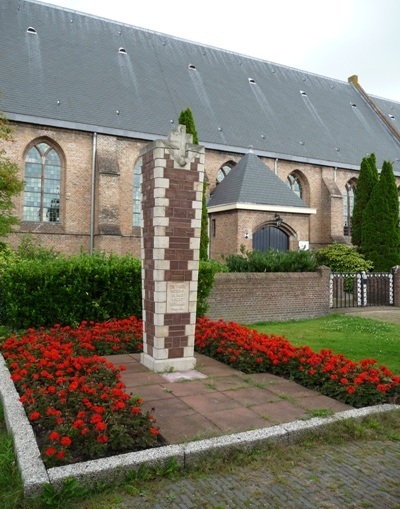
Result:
[186,118]
[10,184]
[368,178]
[380,240]
[204,226]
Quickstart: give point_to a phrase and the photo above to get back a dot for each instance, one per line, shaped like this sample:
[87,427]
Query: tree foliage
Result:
[204,240]
[10,184]
[342,258]
[186,118]
[368,178]
[380,240]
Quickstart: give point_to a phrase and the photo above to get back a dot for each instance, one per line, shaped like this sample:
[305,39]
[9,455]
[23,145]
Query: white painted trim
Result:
[263,208]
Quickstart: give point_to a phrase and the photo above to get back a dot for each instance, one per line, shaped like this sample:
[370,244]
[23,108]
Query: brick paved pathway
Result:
[350,476]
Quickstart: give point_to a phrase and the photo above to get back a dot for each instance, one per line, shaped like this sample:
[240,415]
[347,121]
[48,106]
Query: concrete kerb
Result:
[35,475]
[33,472]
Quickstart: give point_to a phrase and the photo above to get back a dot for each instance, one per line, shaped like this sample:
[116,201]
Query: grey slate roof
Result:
[71,74]
[252,182]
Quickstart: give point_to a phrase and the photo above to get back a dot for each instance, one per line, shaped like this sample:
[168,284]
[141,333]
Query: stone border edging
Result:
[34,474]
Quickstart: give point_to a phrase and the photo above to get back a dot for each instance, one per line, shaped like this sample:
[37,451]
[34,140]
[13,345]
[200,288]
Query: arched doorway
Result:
[270,237]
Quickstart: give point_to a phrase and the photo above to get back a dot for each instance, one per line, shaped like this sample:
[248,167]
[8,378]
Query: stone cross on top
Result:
[177,145]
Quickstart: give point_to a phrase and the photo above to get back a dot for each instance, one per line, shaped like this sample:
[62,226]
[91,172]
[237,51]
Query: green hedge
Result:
[272,261]
[67,290]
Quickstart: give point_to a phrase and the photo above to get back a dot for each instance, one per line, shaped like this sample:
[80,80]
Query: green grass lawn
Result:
[356,338]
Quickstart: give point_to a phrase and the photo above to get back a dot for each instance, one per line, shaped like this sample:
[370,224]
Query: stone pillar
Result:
[396,285]
[172,183]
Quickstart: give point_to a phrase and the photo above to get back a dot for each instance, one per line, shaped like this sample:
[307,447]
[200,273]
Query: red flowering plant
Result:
[358,384]
[73,397]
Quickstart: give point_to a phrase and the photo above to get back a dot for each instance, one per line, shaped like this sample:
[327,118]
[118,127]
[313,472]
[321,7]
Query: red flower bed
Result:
[358,384]
[73,397]
[78,406]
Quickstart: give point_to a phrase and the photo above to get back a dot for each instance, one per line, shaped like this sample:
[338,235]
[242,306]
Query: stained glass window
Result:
[137,193]
[42,184]
[294,183]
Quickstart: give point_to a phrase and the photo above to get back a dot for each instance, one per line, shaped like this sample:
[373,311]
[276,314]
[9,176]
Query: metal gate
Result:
[270,237]
[361,289]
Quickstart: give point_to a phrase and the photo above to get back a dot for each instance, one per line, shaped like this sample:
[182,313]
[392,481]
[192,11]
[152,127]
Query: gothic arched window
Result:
[42,184]
[137,193]
[348,205]
[223,172]
[295,185]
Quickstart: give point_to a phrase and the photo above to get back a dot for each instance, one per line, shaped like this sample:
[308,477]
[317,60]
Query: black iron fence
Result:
[361,289]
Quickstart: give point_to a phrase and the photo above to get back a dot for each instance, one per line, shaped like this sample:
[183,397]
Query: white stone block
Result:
[159,231]
[162,183]
[160,353]
[161,242]
[159,192]
[193,286]
[160,297]
[161,331]
[160,286]
[194,243]
[159,212]
[158,254]
[158,275]
[161,202]
[163,264]
[188,351]
[160,221]
[159,343]
[165,365]
[159,152]
[189,329]
[158,172]
[158,319]
[161,308]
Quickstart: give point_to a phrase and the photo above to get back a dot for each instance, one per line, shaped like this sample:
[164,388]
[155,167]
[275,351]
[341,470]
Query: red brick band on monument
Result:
[172,183]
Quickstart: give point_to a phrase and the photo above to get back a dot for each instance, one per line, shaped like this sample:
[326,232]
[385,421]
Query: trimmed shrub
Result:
[342,258]
[70,290]
[272,261]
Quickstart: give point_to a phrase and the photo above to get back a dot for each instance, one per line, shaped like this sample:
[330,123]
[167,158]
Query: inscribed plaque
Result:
[177,297]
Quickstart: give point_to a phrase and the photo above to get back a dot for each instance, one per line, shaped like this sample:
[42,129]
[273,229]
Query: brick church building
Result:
[85,95]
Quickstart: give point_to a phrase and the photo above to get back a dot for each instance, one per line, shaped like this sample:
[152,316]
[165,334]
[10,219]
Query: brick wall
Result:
[252,297]
[116,158]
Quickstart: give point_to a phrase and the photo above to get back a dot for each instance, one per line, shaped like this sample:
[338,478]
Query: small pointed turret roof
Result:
[252,182]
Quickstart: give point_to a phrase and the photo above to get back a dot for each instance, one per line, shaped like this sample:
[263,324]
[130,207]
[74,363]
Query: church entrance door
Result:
[270,237]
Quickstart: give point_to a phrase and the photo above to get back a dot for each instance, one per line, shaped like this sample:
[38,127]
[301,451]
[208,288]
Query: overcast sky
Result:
[333,38]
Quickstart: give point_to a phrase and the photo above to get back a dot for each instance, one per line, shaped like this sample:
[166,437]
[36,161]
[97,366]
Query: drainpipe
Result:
[94,147]
[276,166]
